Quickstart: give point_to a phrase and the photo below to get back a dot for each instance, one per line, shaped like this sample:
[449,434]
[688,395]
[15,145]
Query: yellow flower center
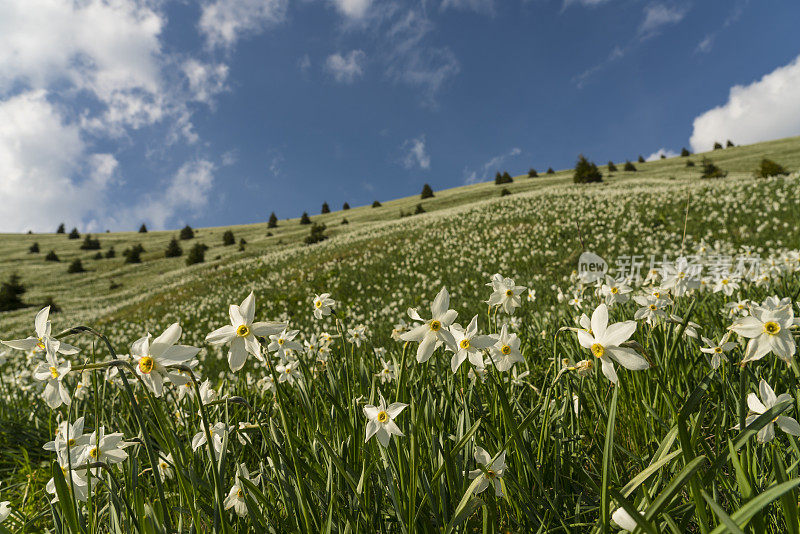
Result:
[653,307]
[318,303]
[464,344]
[383,416]
[436,325]
[718,350]
[490,474]
[598,350]
[288,370]
[771,328]
[725,281]
[505,349]
[281,341]
[615,290]
[94,453]
[240,493]
[509,293]
[146,364]
[53,372]
[243,331]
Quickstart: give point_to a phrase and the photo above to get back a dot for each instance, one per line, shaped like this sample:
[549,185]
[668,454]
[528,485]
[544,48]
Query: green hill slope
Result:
[112,288]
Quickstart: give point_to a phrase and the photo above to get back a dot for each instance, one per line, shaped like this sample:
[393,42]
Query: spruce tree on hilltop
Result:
[186,233]
[11,294]
[34,249]
[51,256]
[304,219]
[427,192]
[346,206]
[629,167]
[74,234]
[586,172]
[717,146]
[197,254]
[173,249]
[532,173]
[76,267]
[376,204]
[550,170]
[143,229]
[729,144]
[273,221]
[60,229]
[325,208]
[612,167]
[228,239]
[769,168]
[685,152]
[641,158]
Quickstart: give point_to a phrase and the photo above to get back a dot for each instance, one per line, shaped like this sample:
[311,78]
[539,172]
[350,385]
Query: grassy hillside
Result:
[300,418]
[110,284]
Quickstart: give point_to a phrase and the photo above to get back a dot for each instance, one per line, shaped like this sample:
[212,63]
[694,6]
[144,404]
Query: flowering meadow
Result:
[450,372]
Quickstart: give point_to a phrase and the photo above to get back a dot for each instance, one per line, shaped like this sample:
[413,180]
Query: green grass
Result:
[661,443]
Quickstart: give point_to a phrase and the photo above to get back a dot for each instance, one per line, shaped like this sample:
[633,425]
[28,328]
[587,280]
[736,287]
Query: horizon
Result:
[221,112]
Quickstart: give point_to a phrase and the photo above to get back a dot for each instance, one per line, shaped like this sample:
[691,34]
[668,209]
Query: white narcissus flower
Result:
[165,464]
[288,372]
[76,480]
[650,309]
[468,344]
[53,372]
[717,350]
[283,341]
[505,350]
[218,434]
[505,293]
[433,331]
[235,498]
[386,373]
[323,305]
[37,342]
[768,400]
[242,332]
[615,291]
[491,473]
[726,283]
[102,447]
[380,421]
[604,341]
[357,335]
[69,436]
[768,331]
[691,327]
[155,357]
[624,520]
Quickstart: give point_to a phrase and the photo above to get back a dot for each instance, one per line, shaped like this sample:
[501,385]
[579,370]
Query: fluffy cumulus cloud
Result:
[346,68]
[224,22]
[73,75]
[355,9]
[41,156]
[667,153]
[768,108]
[415,154]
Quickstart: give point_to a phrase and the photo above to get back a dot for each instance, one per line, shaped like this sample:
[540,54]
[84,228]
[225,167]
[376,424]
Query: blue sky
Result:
[117,112]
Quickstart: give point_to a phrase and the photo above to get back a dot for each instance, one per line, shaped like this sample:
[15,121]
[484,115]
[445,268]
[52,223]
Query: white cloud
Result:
[347,68]
[304,63]
[493,165]
[223,22]
[768,108]
[205,80]
[49,175]
[667,153]
[479,6]
[413,63]
[40,157]
[355,9]
[705,45]
[416,154]
[658,15]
